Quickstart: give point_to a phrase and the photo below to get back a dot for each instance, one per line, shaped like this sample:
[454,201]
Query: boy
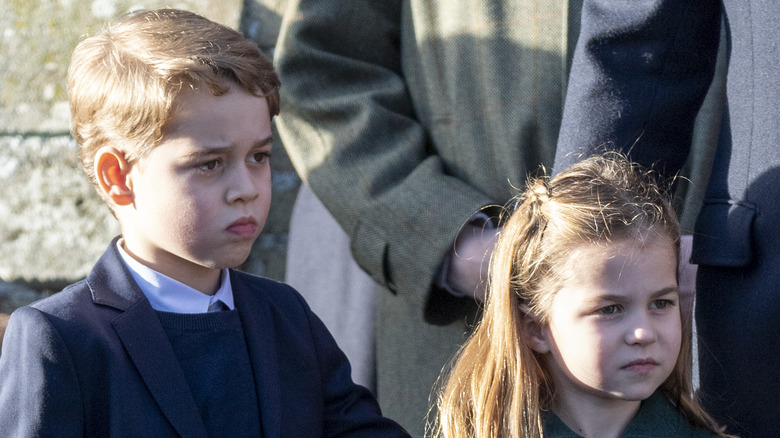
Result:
[172,114]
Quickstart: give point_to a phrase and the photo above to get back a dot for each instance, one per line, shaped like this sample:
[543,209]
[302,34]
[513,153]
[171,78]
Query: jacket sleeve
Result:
[39,391]
[349,126]
[640,72]
[349,410]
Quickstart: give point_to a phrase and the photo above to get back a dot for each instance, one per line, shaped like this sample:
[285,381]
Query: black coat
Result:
[640,72]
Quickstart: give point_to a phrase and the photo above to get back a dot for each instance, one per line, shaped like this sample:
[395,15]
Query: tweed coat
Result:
[405,118]
[639,72]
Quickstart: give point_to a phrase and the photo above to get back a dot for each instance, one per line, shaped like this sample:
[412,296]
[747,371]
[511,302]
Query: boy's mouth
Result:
[245,226]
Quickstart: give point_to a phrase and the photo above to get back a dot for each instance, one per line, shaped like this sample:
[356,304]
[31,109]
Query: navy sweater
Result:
[212,353]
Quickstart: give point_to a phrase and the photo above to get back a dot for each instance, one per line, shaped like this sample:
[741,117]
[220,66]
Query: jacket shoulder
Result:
[274,293]
[65,300]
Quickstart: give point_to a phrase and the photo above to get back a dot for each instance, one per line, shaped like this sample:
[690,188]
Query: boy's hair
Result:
[498,385]
[123,82]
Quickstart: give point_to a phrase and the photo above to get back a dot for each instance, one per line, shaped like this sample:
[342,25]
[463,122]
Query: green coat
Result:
[405,118]
[657,418]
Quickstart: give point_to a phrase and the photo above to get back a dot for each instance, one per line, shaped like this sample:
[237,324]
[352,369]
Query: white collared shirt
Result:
[168,295]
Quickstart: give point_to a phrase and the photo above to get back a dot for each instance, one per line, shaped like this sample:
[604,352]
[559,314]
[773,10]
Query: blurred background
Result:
[53,225]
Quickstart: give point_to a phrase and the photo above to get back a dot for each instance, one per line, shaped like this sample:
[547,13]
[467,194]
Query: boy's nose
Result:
[243,186]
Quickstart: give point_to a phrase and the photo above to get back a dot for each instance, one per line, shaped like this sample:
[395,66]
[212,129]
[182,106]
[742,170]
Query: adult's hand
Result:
[468,270]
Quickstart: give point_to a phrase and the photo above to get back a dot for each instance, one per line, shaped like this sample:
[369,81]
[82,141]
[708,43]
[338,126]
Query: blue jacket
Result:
[93,360]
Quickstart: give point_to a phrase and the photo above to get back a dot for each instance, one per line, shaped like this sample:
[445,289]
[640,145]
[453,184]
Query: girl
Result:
[582,333]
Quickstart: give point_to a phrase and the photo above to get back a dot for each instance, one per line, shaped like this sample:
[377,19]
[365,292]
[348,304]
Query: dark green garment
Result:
[657,418]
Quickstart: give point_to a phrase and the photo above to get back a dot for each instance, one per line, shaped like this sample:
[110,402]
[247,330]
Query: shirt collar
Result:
[168,295]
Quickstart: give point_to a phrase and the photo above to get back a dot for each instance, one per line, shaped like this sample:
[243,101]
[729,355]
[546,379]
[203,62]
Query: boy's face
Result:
[201,197]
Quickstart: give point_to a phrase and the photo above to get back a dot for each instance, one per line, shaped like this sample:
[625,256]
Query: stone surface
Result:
[38,37]
[53,225]
[15,296]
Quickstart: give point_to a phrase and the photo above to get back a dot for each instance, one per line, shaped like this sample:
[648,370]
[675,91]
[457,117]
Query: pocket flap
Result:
[723,233]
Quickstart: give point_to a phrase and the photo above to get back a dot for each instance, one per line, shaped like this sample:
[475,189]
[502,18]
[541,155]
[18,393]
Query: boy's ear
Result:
[112,173]
[535,332]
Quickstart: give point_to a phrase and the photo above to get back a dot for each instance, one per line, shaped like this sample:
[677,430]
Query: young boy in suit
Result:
[172,114]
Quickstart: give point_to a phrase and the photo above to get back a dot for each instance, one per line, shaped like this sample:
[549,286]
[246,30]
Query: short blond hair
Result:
[123,82]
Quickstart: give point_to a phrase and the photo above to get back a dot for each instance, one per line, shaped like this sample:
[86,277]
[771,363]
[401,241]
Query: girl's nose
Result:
[641,333]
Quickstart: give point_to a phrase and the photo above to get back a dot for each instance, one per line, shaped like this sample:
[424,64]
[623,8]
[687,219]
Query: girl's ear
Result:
[536,334]
[112,172]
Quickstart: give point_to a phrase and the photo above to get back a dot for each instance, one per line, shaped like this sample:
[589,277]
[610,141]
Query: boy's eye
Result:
[209,165]
[261,157]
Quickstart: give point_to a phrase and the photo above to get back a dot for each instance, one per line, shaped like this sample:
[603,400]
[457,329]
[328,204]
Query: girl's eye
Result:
[208,166]
[609,310]
[661,304]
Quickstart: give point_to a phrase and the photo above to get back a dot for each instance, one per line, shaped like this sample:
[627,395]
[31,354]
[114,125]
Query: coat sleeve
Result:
[640,72]
[349,410]
[39,390]
[350,128]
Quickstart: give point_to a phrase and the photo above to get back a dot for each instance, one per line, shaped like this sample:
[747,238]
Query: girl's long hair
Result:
[497,385]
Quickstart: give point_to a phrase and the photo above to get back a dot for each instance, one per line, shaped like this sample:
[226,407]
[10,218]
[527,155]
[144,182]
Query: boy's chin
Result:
[236,262]
[227,257]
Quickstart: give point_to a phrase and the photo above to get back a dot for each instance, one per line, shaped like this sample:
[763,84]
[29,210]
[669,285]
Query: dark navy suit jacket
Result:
[640,71]
[93,360]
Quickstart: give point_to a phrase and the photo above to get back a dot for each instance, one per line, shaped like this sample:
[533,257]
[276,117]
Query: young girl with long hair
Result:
[582,332]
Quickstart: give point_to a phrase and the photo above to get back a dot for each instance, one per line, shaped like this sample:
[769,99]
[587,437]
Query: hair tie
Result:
[540,191]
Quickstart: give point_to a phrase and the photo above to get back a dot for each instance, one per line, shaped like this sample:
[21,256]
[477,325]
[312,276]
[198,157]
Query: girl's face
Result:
[614,328]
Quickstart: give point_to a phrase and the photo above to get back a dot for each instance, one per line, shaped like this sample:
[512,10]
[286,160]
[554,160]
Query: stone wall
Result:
[53,226]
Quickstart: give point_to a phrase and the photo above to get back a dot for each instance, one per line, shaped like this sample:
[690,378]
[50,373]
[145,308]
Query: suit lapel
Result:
[149,348]
[146,342]
[256,319]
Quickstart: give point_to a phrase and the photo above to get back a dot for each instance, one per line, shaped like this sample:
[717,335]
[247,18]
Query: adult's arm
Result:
[640,72]
[350,128]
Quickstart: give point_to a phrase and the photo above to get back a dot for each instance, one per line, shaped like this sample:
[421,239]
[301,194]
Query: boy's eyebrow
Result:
[216,150]
[263,142]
